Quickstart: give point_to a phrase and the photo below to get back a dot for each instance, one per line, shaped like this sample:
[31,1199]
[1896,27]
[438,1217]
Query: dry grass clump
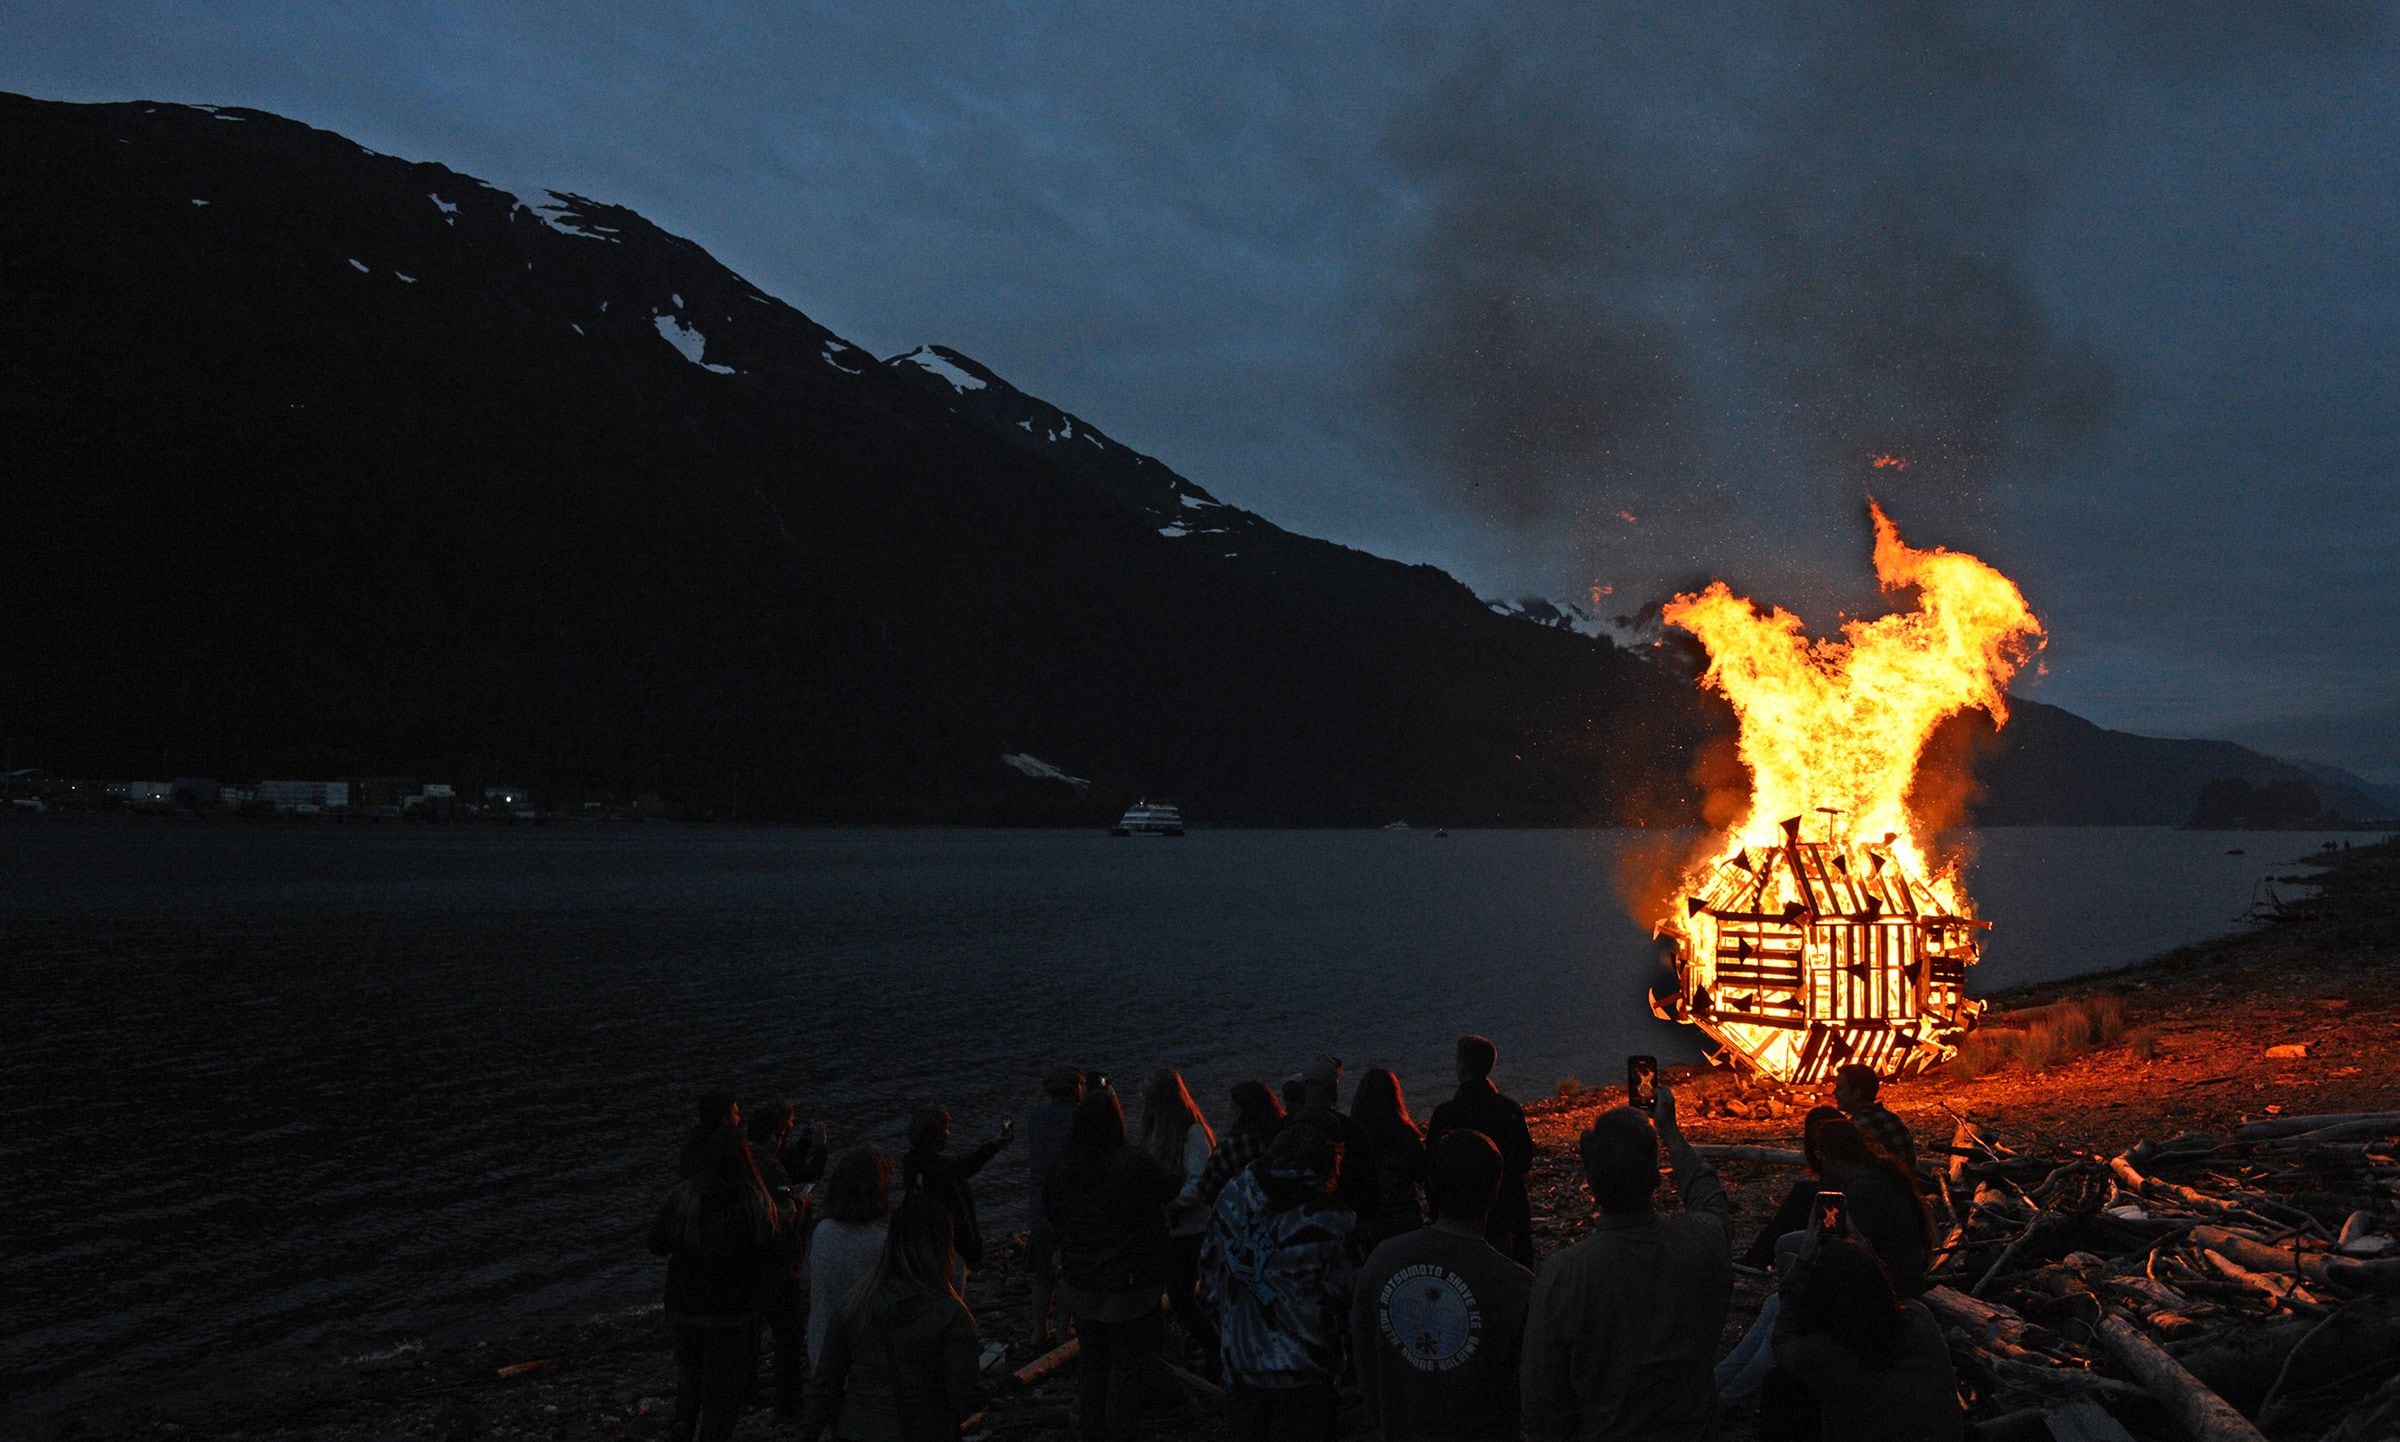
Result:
[2043,1037]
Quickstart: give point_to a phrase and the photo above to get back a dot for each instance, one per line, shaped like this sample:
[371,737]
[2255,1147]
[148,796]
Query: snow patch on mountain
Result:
[360,266]
[924,359]
[684,338]
[1040,770]
[832,356]
[1542,611]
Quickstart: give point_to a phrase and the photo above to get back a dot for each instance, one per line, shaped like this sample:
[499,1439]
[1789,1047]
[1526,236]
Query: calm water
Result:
[286,1095]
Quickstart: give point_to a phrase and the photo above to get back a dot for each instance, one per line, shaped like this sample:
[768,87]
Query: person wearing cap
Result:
[1621,1335]
[1321,1091]
[1275,1267]
[1479,1106]
[1046,1129]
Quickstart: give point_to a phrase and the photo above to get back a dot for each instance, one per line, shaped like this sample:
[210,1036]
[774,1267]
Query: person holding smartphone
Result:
[1851,1359]
[930,1171]
[1622,1325]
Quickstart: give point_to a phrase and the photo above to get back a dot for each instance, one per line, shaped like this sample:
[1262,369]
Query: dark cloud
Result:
[1551,294]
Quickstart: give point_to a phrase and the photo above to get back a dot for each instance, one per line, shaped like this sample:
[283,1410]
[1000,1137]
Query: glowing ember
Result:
[1891,463]
[1817,934]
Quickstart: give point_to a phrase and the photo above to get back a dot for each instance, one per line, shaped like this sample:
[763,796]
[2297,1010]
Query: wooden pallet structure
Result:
[1804,957]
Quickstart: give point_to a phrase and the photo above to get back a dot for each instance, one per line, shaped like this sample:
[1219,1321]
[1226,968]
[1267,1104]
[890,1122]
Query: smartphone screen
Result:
[1829,1213]
[1641,1082]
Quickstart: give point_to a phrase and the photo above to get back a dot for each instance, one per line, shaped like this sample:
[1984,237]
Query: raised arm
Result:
[1695,1180]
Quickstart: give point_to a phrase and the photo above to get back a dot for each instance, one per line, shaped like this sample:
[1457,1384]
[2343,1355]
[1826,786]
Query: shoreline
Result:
[2326,972]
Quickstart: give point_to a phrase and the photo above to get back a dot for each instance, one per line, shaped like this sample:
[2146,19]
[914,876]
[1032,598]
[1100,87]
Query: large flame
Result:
[1831,731]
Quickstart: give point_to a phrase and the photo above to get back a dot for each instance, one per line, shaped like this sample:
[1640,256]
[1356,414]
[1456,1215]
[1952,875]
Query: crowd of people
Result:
[1302,1254]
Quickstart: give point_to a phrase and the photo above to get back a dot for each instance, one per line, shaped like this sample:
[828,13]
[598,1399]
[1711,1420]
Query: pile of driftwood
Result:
[2204,1286]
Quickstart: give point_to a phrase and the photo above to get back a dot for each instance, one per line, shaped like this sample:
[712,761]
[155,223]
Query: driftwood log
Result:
[2202,1414]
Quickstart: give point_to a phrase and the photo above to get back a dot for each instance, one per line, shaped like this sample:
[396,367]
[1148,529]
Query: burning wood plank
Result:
[1800,956]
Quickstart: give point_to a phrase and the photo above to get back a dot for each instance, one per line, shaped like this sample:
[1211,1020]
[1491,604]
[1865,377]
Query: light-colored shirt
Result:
[1621,1338]
[840,1255]
[1185,1216]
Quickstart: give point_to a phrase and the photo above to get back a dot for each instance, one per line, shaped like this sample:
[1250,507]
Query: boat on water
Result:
[1149,818]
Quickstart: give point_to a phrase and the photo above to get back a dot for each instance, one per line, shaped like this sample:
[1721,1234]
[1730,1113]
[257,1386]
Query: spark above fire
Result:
[1798,953]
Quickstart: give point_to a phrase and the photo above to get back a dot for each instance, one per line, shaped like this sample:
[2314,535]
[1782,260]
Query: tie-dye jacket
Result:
[1275,1266]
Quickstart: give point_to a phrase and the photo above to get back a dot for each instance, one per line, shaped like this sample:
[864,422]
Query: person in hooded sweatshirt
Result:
[900,1360]
[1276,1267]
[721,1235]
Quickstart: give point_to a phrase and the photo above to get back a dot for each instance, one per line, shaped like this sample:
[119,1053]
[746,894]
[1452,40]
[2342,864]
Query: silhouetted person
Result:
[718,1232]
[928,1170]
[1276,1267]
[1855,1089]
[1294,1095]
[717,1110]
[1257,1117]
[1109,1203]
[1479,1106]
[900,1362]
[1881,1209]
[1623,1324]
[1385,1163]
[1851,1360]
[1321,1102]
[1883,1205]
[1045,1150]
[1177,1135]
[783,1303]
[1799,1202]
[848,1239]
[1438,1323]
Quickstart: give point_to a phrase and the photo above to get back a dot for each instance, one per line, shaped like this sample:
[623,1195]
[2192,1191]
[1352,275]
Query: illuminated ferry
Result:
[1149,818]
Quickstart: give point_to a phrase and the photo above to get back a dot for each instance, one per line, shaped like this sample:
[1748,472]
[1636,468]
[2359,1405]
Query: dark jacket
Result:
[1380,1174]
[719,1259]
[1111,1221]
[902,1372]
[944,1178]
[1479,1107]
[1887,1213]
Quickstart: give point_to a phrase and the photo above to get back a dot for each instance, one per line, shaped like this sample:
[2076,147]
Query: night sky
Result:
[1555,296]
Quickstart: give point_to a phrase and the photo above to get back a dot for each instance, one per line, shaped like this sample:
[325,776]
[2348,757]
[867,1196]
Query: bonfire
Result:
[1820,929]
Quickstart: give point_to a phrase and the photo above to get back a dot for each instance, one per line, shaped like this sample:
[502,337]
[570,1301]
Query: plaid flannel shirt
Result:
[1887,1132]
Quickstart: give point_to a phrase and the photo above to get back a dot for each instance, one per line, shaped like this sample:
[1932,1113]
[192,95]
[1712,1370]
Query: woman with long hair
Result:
[1853,1360]
[1109,1204]
[721,1234]
[1386,1164]
[900,1359]
[858,1196]
[1179,1138]
[1880,1207]
[1792,1215]
[1884,1206]
[1257,1115]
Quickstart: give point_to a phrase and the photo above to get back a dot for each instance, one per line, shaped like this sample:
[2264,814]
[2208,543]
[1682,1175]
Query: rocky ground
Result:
[2322,979]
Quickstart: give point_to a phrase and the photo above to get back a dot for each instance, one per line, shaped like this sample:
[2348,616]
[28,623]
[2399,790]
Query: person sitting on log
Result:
[1882,1208]
[1622,1324]
[1854,1090]
[1792,1215]
[1853,1361]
